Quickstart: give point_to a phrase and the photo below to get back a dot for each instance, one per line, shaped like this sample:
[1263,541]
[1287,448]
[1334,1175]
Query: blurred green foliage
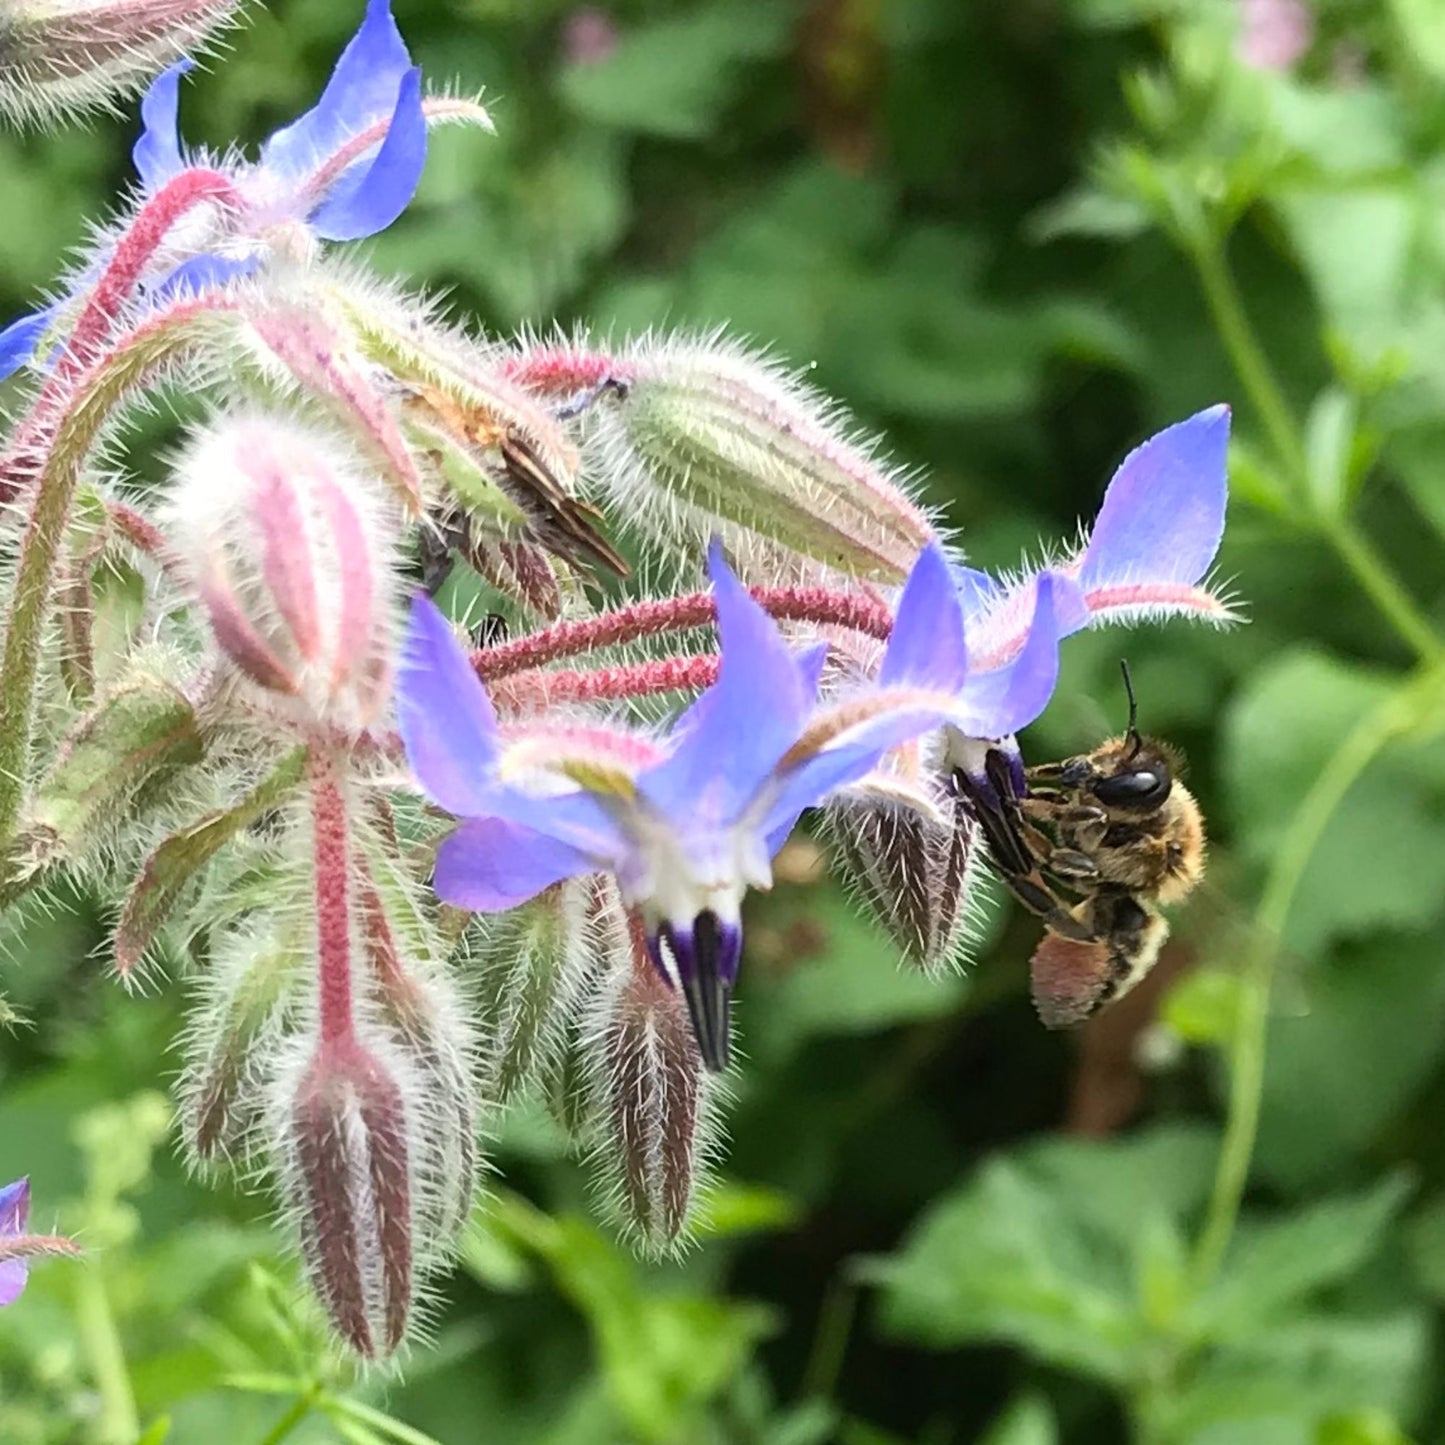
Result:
[1016,238]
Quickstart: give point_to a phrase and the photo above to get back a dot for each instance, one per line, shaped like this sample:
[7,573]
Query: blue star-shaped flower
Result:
[689,822]
[344,170]
[14,1218]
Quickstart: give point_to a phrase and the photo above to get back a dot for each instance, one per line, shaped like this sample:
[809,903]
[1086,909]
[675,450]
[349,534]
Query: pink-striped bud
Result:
[653,1098]
[64,56]
[918,878]
[290,552]
[345,1152]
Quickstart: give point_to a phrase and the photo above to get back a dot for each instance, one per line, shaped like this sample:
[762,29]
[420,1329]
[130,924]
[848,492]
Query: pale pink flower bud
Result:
[653,1098]
[1275,34]
[59,56]
[289,550]
[347,1165]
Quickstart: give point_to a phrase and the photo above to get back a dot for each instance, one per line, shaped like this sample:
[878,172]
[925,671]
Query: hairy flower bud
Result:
[917,877]
[538,964]
[59,56]
[346,1159]
[417,1005]
[290,553]
[232,1041]
[688,434]
[653,1097]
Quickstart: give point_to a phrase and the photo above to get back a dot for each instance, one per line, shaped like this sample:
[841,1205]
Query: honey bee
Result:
[1094,845]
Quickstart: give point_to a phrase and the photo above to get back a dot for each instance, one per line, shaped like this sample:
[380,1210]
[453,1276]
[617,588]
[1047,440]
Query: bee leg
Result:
[1080,822]
[1070,864]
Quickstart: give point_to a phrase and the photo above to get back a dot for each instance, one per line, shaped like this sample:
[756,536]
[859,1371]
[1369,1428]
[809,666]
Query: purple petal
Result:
[17,341]
[927,648]
[368,198]
[157,154]
[736,732]
[13,1274]
[15,1208]
[489,865]
[446,719]
[1163,514]
[361,93]
[995,704]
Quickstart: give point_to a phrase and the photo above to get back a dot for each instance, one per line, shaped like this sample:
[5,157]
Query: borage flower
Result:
[17,1247]
[688,822]
[1147,557]
[343,171]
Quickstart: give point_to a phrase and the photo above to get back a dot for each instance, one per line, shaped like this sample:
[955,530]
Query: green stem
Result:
[133,361]
[830,1341]
[1400,711]
[119,1422]
[1385,590]
[1266,395]
[1247,355]
[301,1407]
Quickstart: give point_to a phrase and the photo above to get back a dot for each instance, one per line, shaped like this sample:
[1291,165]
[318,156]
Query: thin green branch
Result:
[119,1420]
[1246,353]
[1401,711]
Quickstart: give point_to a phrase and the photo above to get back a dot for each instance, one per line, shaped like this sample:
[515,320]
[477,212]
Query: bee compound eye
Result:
[1139,788]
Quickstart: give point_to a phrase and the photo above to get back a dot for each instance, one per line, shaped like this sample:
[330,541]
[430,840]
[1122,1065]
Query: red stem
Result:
[333,910]
[118,281]
[532,689]
[673,614]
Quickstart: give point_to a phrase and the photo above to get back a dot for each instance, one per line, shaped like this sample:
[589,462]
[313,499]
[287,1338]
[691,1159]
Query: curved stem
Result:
[1265,393]
[1247,355]
[1401,710]
[301,1407]
[525,691]
[330,842]
[119,1421]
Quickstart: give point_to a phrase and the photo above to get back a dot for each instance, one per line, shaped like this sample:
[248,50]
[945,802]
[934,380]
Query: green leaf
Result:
[1329,442]
[1028,1421]
[1274,1266]
[1030,1252]
[1361,1427]
[675,76]
[176,861]
[1422,29]
[1425,1239]
[1292,714]
[133,740]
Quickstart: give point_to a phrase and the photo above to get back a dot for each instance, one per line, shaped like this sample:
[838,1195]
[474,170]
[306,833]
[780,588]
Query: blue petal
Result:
[362,92]
[368,198]
[203,273]
[447,723]
[977,591]
[157,154]
[17,341]
[13,1274]
[14,1208]
[927,648]
[995,704]
[1163,514]
[742,725]
[489,865]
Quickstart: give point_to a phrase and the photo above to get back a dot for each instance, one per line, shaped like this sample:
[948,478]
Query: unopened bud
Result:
[290,553]
[916,876]
[692,434]
[233,1038]
[653,1101]
[415,1002]
[59,56]
[344,1148]
[538,963]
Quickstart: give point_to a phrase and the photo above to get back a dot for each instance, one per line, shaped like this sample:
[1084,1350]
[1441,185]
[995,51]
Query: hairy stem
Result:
[130,365]
[530,690]
[1402,710]
[331,863]
[854,610]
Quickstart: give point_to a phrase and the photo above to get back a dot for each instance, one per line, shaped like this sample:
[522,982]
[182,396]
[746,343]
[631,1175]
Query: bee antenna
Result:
[1131,733]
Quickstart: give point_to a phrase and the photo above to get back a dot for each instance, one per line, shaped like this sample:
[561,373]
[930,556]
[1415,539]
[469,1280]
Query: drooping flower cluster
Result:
[434,869]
